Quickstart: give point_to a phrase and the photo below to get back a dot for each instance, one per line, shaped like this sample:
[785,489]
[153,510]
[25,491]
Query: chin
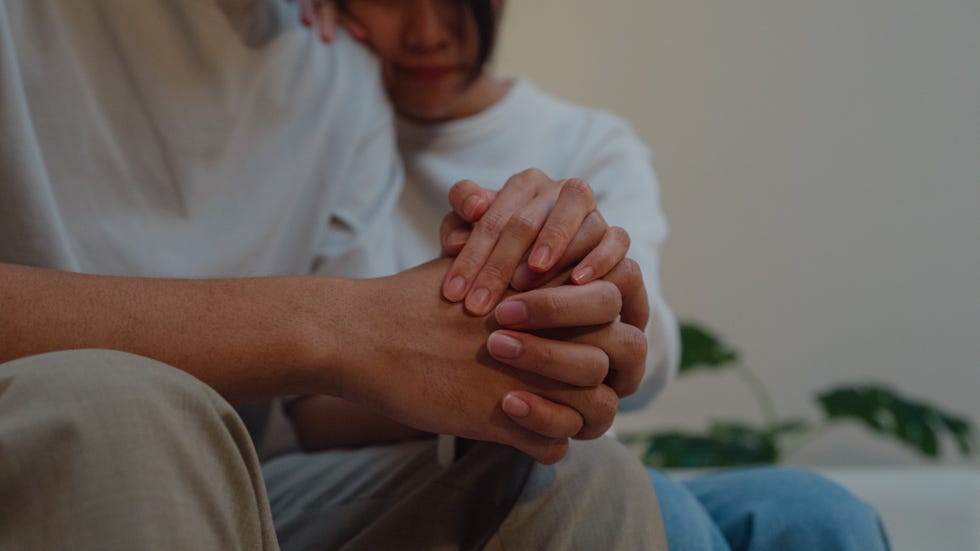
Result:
[424,112]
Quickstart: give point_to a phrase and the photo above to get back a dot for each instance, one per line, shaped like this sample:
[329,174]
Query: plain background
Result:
[820,168]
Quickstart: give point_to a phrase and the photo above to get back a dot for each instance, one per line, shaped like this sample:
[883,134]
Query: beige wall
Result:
[820,166]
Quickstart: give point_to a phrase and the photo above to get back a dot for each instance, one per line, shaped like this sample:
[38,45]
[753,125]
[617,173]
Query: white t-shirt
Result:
[529,128]
[189,138]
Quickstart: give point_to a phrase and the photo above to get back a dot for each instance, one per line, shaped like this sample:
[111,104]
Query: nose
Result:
[427,26]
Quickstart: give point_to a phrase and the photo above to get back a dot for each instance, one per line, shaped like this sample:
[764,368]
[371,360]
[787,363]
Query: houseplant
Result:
[916,424]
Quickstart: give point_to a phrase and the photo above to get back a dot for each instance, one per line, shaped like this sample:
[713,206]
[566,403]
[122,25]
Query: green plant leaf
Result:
[791,426]
[962,433]
[725,445]
[702,349]
[916,424]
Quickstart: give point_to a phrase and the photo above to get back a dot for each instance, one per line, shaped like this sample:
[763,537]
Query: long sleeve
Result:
[617,165]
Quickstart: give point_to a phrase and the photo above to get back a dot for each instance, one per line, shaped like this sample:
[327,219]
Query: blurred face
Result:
[428,51]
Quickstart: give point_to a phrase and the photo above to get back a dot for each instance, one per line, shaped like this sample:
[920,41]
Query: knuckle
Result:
[606,404]
[597,372]
[601,409]
[594,222]
[580,189]
[576,424]
[620,236]
[554,451]
[631,387]
[522,225]
[518,184]
[561,424]
[493,275]
[492,222]
[635,343]
[555,233]
[531,174]
[467,264]
[555,305]
[543,356]
[630,272]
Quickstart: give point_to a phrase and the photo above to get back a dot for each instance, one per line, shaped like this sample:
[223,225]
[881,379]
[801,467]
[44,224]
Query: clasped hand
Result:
[556,358]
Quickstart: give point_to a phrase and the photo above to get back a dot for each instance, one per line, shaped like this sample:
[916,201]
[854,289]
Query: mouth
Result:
[427,73]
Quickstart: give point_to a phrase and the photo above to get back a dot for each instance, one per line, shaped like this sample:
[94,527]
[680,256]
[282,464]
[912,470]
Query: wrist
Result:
[333,324]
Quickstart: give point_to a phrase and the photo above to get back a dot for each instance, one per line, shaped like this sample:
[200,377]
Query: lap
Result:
[371,497]
[492,496]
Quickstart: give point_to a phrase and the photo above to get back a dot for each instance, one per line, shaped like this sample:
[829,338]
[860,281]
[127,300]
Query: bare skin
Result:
[519,237]
[616,349]
[391,344]
[428,51]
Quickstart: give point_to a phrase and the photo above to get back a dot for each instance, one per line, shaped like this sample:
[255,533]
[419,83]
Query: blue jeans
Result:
[765,508]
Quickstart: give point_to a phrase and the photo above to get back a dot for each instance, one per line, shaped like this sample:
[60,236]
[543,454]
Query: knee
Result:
[805,510]
[607,463]
[95,383]
[598,480]
[591,470]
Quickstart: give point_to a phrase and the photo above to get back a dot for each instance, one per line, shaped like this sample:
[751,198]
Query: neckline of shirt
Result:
[460,131]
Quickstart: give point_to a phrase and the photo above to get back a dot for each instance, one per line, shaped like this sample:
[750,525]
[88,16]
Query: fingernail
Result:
[515,406]
[456,288]
[470,206]
[583,274]
[511,312]
[539,259]
[478,300]
[504,346]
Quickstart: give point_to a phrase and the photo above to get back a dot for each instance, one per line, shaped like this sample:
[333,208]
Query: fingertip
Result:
[473,207]
[511,312]
[583,274]
[454,289]
[540,259]
[514,406]
[504,347]
[478,301]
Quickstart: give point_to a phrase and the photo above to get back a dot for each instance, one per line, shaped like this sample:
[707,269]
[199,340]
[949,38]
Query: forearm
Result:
[325,422]
[247,338]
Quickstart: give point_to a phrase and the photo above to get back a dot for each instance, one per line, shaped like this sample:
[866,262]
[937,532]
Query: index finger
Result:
[480,244]
[575,202]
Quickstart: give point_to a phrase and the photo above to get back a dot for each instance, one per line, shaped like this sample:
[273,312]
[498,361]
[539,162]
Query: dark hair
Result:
[486,28]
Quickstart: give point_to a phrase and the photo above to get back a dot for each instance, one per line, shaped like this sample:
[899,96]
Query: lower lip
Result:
[427,75]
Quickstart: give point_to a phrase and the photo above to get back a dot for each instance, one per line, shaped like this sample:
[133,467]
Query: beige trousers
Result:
[107,450]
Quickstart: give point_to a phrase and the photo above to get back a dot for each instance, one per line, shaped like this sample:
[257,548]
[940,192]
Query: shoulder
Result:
[581,128]
[354,75]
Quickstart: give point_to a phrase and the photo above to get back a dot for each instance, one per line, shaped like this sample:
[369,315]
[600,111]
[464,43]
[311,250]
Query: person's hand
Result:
[522,236]
[619,346]
[324,16]
[425,362]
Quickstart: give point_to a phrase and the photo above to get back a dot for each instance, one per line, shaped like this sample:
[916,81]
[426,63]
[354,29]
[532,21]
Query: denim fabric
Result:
[765,508]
